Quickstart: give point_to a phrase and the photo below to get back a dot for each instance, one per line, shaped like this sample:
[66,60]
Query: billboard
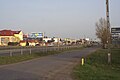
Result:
[115,30]
[115,33]
[36,35]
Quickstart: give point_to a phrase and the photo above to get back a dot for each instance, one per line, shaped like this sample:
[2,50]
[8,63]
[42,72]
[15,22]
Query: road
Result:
[53,67]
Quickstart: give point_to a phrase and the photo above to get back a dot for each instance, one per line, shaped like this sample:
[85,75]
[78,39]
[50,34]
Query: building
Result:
[47,39]
[7,36]
[23,43]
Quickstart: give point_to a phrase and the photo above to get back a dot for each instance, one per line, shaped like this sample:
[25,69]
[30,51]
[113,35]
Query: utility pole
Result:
[108,29]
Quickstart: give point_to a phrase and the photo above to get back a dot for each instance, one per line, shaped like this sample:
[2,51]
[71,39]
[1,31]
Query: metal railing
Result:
[30,50]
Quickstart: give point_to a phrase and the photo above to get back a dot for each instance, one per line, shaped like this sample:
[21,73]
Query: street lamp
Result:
[108,29]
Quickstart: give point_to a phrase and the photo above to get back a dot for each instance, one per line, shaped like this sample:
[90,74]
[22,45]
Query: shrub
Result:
[13,43]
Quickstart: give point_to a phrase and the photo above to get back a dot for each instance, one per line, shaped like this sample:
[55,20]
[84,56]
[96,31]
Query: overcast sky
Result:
[57,18]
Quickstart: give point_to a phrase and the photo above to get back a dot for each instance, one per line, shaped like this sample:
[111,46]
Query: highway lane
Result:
[53,67]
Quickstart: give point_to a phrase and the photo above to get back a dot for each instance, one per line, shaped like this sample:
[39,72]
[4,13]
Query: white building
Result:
[47,39]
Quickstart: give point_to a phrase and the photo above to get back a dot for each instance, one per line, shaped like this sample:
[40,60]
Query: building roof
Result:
[8,32]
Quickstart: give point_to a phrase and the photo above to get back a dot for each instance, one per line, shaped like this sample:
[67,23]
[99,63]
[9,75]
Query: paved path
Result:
[53,67]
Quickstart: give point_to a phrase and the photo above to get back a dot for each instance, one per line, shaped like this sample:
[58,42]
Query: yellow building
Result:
[7,36]
[23,43]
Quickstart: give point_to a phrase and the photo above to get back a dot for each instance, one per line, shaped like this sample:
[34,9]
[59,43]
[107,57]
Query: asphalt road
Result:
[53,67]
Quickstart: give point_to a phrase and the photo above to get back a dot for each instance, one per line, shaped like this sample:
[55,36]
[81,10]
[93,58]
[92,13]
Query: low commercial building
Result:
[47,39]
[7,36]
[23,43]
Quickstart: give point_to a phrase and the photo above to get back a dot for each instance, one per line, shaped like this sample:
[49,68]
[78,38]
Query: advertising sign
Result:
[36,35]
[115,30]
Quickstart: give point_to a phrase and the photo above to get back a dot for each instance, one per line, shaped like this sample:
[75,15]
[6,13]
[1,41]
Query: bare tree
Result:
[102,31]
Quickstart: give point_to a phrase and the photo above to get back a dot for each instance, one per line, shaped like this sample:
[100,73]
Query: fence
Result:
[30,50]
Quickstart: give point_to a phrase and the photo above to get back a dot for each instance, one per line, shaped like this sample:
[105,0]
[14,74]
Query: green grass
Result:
[97,68]
[24,57]
[19,58]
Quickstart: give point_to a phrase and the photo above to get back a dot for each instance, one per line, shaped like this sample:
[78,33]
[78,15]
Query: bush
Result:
[13,43]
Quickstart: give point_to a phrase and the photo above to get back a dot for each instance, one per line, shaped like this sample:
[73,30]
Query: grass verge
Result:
[97,68]
[19,58]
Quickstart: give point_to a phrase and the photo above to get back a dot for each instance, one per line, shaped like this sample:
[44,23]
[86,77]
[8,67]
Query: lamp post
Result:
[108,29]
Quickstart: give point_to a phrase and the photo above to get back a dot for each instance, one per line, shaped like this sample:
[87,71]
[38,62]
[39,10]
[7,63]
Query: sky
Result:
[57,18]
